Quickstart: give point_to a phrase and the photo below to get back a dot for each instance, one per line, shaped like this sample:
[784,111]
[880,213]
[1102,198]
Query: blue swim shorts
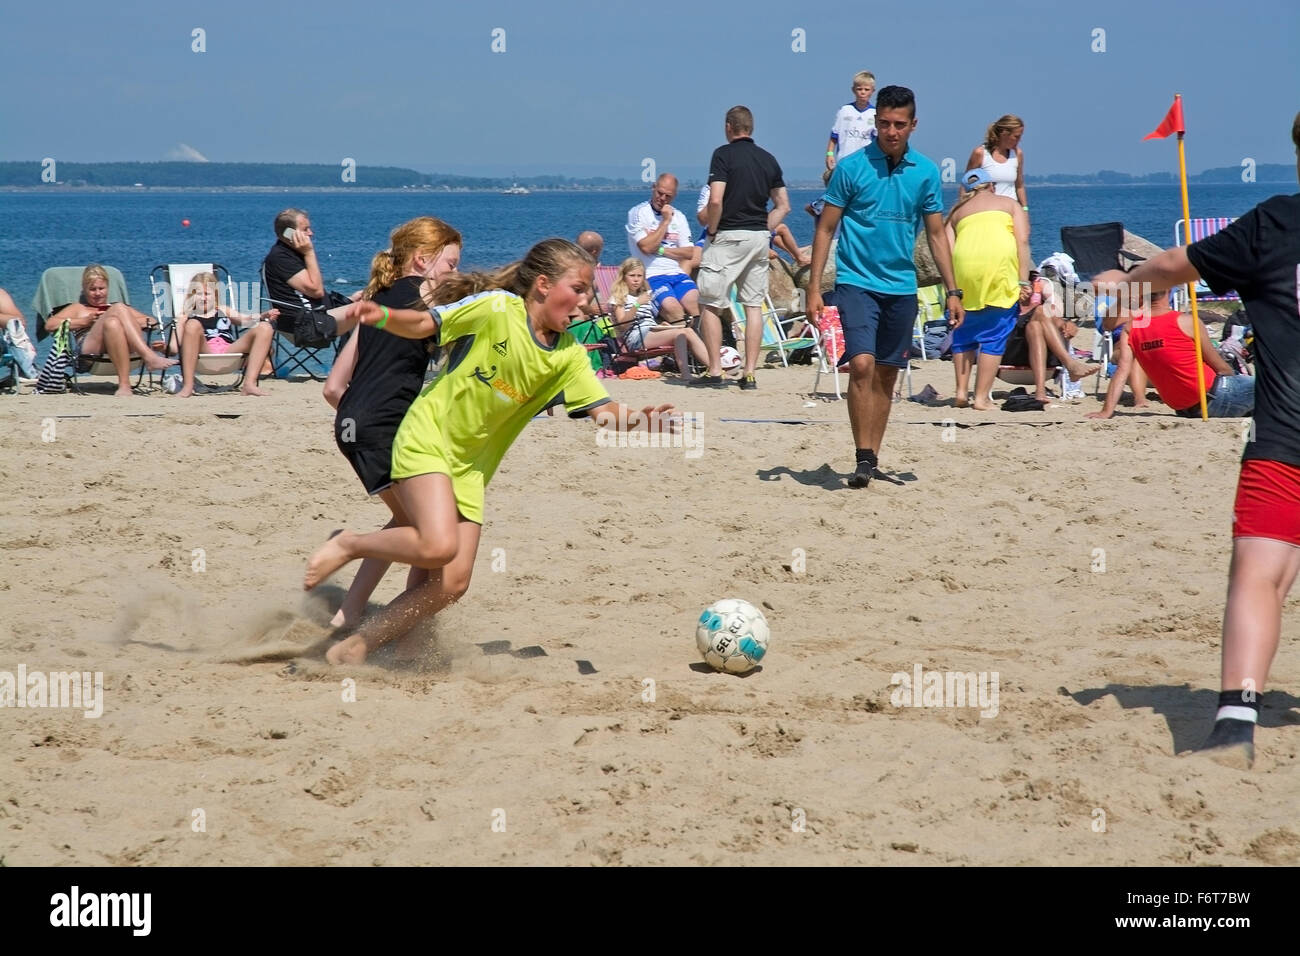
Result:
[675,286]
[986,330]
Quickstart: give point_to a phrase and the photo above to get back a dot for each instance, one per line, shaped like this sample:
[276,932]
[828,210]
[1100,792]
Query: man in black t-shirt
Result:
[738,227]
[1259,257]
[295,287]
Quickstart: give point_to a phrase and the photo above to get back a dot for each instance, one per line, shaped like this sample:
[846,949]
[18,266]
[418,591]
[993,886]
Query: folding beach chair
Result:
[604,281]
[61,286]
[170,283]
[290,358]
[831,336]
[1097,248]
[776,330]
[1201,229]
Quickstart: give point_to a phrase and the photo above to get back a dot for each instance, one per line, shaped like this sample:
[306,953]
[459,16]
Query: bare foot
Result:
[349,651]
[327,559]
[251,390]
[1081,370]
[185,392]
[124,391]
[1141,404]
[267,369]
[981,407]
[1042,397]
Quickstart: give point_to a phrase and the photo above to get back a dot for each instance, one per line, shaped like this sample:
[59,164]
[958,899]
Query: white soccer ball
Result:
[732,636]
[730,358]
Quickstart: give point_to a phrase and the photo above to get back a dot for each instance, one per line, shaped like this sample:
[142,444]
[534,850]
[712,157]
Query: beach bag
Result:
[311,328]
[937,338]
[53,379]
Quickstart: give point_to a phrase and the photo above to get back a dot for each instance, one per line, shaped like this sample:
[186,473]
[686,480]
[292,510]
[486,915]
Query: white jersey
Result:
[853,130]
[643,220]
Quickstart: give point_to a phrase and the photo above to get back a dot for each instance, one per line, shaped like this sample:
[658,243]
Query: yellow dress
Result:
[985,260]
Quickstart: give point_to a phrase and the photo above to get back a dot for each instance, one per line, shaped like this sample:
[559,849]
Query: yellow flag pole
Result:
[1191,286]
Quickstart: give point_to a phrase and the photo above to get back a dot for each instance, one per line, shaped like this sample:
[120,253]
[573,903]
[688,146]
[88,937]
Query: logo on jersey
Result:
[503,389]
[500,347]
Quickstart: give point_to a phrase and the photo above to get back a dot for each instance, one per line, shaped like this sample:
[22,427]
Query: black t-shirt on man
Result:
[751,173]
[388,374]
[1259,257]
[281,264]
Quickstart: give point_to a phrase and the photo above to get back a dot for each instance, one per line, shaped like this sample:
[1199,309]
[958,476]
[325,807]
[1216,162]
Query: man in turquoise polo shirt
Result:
[878,198]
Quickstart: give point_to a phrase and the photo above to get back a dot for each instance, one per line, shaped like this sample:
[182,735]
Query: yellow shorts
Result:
[417,450]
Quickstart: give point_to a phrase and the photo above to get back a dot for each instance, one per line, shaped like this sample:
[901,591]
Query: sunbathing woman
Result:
[377,375]
[511,354]
[101,328]
[209,330]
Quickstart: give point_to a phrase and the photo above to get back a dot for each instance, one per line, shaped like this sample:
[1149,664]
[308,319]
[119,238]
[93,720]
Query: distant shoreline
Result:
[62,190]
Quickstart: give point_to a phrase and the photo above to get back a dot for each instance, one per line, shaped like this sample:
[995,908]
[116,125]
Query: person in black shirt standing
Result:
[1259,257]
[377,375]
[739,226]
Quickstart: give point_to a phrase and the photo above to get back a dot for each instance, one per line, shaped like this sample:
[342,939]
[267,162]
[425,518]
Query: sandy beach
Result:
[560,714]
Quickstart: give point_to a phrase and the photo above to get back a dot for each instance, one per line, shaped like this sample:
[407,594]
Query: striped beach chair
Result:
[1200,229]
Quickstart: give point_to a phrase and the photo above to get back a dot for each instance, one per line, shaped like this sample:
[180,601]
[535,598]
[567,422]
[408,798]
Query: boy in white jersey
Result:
[855,123]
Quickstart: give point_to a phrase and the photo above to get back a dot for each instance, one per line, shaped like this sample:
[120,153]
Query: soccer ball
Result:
[732,636]
[730,359]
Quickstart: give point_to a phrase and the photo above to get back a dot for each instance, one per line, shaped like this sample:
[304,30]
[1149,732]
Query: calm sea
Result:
[136,230]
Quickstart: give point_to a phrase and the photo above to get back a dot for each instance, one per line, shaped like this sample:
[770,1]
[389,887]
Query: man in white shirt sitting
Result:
[660,237]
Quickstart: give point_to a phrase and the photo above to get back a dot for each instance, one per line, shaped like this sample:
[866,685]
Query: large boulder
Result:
[927,273]
[1140,247]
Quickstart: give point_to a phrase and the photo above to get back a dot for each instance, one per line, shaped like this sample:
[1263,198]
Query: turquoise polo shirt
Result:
[883,211]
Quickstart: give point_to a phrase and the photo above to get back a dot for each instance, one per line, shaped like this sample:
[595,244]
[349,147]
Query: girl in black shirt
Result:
[377,375]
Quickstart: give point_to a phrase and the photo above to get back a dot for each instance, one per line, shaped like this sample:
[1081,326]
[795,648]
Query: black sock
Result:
[866,460]
[1238,705]
[1235,719]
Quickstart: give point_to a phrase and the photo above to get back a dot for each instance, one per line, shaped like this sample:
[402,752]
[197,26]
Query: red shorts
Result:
[1268,501]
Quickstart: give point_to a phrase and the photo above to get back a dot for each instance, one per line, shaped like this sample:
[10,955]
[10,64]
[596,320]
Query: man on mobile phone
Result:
[294,285]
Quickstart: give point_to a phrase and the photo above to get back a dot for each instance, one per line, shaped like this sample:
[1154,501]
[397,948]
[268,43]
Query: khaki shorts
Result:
[734,256]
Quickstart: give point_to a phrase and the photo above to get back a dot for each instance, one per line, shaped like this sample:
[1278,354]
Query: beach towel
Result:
[53,379]
[1062,265]
[21,348]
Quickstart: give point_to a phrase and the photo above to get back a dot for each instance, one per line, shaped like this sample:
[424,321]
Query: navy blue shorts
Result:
[876,324]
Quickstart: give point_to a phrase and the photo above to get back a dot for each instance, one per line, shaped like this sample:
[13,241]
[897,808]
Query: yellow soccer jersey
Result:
[497,377]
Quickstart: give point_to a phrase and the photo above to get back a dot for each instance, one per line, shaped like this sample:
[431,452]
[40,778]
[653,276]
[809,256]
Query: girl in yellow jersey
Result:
[509,357]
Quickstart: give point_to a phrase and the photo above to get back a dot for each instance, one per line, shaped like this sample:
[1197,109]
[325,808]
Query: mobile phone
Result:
[289,235]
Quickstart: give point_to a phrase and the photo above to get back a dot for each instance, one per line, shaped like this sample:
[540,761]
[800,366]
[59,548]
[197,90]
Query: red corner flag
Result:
[1172,123]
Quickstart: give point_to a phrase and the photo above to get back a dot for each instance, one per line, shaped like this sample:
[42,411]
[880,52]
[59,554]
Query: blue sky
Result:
[593,88]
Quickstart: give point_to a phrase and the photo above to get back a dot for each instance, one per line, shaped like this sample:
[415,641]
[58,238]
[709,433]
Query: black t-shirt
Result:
[217,326]
[281,264]
[388,374]
[751,173]
[1259,257]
